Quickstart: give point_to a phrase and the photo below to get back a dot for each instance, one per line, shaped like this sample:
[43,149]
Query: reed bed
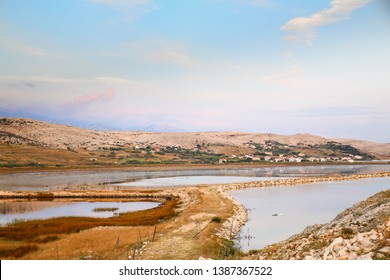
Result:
[23,237]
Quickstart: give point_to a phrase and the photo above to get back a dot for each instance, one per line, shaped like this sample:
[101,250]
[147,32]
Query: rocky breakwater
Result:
[299,181]
[230,228]
[360,232]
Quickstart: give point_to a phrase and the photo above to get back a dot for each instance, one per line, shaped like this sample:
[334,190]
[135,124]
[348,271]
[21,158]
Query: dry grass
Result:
[32,233]
[23,154]
[193,234]
[97,243]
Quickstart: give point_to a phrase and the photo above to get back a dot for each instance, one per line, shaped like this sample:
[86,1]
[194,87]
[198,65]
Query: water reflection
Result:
[28,210]
[192,180]
[86,180]
[14,207]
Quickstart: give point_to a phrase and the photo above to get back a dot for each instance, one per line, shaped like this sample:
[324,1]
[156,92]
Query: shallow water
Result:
[193,180]
[28,210]
[297,207]
[82,180]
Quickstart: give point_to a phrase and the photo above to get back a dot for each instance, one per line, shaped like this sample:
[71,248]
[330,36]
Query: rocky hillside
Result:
[206,147]
[360,232]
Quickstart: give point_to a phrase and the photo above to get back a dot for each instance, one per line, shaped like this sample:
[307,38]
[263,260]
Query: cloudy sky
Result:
[277,66]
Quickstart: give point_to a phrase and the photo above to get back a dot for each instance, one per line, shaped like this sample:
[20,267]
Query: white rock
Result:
[366,256]
[343,253]
[337,244]
[385,250]
[353,256]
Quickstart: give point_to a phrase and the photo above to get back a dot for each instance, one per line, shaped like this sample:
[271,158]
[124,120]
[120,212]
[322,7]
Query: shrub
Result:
[346,232]
[228,251]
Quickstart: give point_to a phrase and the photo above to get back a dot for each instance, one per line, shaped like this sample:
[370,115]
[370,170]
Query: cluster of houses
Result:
[266,156]
[301,157]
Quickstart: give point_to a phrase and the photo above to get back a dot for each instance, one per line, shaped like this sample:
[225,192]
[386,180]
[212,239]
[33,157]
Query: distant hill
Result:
[121,147]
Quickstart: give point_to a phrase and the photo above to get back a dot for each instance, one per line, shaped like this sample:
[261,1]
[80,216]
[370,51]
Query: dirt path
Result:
[193,233]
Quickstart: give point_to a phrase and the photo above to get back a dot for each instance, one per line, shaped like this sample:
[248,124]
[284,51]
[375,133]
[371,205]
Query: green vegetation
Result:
[45,196]
[216,220]
[12,164]
[194,156]
[342,149]
[228,251]
[315,245]
[346,232]
[105,209]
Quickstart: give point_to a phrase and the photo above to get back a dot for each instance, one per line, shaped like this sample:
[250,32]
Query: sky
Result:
[320,67]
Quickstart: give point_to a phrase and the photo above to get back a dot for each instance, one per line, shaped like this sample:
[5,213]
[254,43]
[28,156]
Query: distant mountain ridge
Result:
[44,134]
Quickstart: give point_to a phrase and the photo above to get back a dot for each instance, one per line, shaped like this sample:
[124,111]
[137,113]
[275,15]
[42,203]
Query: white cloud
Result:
[291,74]
[254,3]
[130,9]
[121,81]
[160,51]
[121,2]
[169,56]
[292,77]
[27,49]
[258,3]
[303,28]
[109,81]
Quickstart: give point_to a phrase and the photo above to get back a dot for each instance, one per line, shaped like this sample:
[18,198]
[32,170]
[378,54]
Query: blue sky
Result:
[286,67]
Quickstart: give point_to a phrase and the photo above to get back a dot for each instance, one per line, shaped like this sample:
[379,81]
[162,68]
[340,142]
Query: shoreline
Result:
[178,167]
[220,187]
[302,180]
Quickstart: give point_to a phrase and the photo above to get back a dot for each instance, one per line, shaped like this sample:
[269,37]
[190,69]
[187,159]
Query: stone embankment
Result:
[299,181]
[230,228]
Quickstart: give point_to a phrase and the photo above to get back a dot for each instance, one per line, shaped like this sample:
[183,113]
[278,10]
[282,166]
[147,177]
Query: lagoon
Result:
[11,211]
[276,213]
[109,179]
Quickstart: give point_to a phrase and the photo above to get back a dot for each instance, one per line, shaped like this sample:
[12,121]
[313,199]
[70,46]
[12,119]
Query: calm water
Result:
[80,180]
[300,206]
[28,210]
[193,180]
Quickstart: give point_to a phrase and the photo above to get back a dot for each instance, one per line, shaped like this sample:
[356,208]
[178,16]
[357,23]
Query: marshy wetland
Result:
[174,223]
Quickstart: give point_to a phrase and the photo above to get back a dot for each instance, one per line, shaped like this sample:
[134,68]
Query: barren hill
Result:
[181,146]
[20,130]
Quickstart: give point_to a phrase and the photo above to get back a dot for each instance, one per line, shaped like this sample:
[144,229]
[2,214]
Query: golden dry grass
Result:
[192,234]
[21,238]
[98,243]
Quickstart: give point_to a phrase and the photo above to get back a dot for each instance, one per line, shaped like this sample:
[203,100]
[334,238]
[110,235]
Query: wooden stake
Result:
[154,232]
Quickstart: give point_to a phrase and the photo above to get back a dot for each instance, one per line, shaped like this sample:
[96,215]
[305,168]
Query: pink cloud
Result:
[85,100]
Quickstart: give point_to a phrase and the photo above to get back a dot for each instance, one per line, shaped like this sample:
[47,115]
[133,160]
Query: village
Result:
[269,151]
